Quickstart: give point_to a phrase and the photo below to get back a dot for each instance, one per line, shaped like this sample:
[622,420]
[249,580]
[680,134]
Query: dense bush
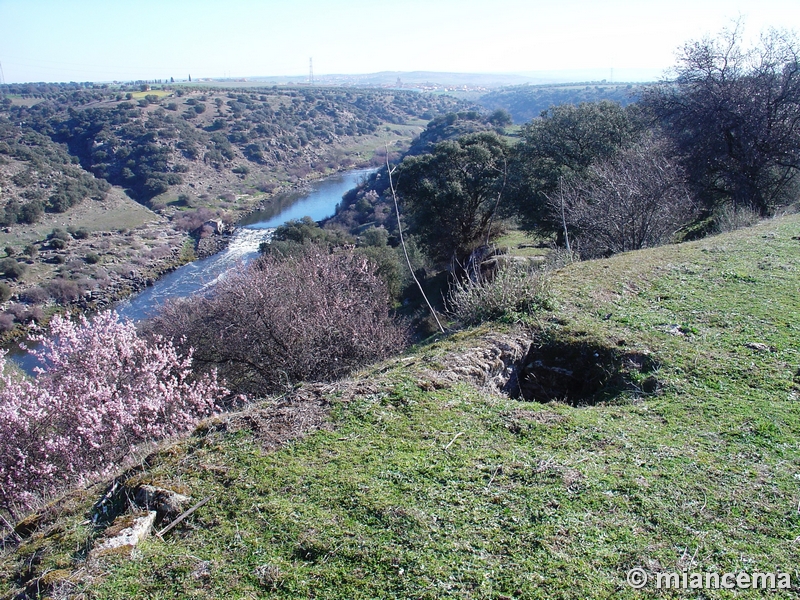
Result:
[12,269]
[312,317]
[294,237]
[101,390]
[63,291]
[193,219]
[6,322]
[35,295]
[79,234]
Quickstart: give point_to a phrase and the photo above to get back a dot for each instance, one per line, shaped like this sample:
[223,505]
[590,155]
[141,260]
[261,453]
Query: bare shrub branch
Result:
[634,200]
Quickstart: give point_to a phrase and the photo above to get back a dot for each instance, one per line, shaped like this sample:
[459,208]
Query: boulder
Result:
[167,503]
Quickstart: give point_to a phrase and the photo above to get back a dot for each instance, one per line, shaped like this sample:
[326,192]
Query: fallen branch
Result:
[183,516]
[458,435]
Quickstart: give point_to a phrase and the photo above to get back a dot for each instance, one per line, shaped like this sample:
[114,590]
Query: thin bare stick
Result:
[563,214]
[183,516]
[488,485]
[11,527]
[390,170]
[458,435]
[497,203]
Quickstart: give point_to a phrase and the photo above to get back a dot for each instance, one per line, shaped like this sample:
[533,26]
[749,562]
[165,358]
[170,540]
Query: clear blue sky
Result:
[103,40]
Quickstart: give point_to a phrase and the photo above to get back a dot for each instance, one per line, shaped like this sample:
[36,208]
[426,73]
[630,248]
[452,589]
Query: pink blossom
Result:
[100,390]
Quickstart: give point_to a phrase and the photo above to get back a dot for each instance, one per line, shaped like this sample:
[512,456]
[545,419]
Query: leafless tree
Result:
[733,113]
[634,200]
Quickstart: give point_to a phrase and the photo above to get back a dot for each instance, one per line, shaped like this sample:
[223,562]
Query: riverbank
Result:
[96,269]
[204,254]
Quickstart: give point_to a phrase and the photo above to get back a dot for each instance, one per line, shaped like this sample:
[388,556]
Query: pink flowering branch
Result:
[101,389]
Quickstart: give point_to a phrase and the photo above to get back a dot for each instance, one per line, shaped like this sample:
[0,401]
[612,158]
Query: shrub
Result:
[22,314]
[59,234]
[35,295]
[390,267]
[192,219]
[12,269]
[63,291]
[312,317]
[31,212]
[35,314]
[266,186]
[508,294]
[731,217]
[5,291]
[375,236]
[92,258]
[18,311]
[6,323]
[79,234]
[101,390]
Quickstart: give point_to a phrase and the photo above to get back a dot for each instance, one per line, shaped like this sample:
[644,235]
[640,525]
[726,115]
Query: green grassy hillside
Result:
[417,479]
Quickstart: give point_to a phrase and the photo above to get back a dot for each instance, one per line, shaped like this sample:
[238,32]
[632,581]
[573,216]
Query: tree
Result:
[451,195]
[635,199]
[734,115]
[560,146]
[500,118]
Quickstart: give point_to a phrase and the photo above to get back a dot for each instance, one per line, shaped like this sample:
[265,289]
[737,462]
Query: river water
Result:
[320,202]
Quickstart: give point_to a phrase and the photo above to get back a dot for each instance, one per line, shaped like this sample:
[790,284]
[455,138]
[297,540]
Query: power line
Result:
[2,77]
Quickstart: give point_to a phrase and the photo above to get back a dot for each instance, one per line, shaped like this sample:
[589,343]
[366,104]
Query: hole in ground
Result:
[581,371]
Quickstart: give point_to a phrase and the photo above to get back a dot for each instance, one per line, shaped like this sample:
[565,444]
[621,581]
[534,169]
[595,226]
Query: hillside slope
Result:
[76,159]
[526,102]
[418,478]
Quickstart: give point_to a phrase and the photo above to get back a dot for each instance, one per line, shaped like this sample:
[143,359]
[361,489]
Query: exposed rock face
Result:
[208,246]
[489,364]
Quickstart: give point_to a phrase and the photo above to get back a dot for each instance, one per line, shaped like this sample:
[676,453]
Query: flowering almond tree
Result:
[100,390]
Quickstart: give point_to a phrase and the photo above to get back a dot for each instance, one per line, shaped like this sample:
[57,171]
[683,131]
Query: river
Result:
[320,202]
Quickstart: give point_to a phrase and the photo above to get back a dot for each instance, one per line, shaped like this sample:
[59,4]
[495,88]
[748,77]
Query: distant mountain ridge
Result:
[407,78]
[445,78]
